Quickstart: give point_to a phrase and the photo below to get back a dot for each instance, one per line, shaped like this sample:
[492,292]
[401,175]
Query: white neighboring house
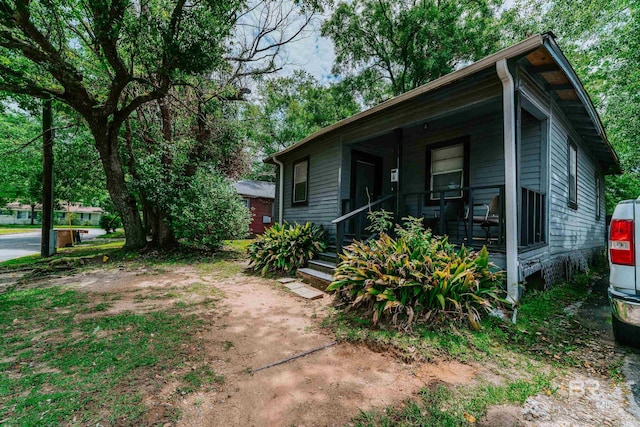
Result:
[20,214]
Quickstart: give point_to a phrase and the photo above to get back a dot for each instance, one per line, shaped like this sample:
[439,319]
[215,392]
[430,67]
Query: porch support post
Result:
[510,176]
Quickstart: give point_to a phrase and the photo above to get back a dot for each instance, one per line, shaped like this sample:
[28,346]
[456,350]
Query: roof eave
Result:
[562,61]
[507,53]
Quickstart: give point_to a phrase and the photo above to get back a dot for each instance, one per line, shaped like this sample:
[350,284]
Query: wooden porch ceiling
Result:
[543,67]
[542,64]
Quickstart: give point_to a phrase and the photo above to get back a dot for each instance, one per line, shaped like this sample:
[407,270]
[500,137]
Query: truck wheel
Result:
[625,334]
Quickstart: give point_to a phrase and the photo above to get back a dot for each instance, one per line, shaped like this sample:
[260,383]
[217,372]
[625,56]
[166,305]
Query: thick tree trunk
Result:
[122,199]
[163,236]
[154,222]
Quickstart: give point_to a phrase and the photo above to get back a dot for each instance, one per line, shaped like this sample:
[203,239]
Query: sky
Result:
[313,53]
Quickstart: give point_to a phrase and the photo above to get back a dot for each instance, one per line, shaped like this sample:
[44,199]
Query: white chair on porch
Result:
[487,216]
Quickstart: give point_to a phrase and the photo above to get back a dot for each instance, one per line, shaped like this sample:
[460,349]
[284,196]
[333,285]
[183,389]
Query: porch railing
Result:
[532,224]
[476,218]
[353,224]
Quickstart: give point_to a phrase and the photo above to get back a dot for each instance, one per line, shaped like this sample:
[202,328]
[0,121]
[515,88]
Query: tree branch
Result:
[28,143]
[121,115]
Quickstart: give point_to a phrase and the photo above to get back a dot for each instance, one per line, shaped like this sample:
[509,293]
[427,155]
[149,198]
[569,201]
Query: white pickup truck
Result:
[624,278]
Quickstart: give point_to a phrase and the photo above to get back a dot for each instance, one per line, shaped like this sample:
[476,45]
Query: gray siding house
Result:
[508,152]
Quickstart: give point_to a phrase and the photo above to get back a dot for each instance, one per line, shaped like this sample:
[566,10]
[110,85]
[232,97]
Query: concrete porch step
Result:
[323,266]
[328,256]
[317,279]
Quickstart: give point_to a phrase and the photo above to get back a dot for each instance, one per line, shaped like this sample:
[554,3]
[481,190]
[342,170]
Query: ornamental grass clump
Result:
[417,277]
[286,247]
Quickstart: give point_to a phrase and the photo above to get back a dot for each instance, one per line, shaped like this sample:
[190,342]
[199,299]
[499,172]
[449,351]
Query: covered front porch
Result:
[451,171]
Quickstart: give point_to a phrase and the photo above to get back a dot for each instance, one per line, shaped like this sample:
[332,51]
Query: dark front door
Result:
[366,185]
[366,178]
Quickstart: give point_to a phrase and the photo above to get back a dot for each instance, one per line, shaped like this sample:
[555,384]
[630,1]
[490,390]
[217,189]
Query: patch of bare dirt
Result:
[451,373]
[503,416]
[249,322]
[266,324]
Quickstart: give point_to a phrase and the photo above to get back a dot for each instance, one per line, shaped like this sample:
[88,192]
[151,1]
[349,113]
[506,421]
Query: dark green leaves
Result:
[286,247]
[417,278]
[389,47]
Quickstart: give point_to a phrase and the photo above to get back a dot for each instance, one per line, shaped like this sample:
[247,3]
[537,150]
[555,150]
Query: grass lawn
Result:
[64,360]
[118,234]
[113,250]
[60,363]
[38,226]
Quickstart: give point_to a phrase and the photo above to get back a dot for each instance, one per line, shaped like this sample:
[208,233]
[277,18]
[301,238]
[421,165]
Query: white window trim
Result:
[572,147]
[296,181]
[432,174]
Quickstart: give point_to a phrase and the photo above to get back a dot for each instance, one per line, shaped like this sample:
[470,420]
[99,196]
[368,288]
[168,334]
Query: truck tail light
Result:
[621,242]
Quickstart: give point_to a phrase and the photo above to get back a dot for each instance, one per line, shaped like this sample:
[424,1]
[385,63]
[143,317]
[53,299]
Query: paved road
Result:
[18,245]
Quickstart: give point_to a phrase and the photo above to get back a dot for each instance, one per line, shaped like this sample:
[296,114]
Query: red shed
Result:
[258,196]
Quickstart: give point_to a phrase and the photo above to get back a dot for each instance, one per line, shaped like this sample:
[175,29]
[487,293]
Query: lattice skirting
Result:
[564,266]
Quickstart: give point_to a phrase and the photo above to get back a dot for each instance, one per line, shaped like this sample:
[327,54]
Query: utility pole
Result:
[47,248]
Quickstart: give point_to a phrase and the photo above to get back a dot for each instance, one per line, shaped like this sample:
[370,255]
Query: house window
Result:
[300,181]
[245,202]
[447,171]
[598,195]
[23,215]
[89,217]
[573,175]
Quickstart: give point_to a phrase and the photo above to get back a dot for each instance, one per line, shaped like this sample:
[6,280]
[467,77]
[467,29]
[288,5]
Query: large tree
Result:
[602,40]
[388,47]
[107,58]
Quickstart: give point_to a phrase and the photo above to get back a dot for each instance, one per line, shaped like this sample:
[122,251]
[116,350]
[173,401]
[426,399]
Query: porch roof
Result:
[547,61]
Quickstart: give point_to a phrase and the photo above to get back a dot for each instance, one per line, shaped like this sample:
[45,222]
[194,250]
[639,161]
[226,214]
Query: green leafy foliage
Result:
[208,211]
[380,221]
[385,48]
[418,277]
[601,38]
[286,247]
[110,222]
[21,165]
[106,60]
[292,108]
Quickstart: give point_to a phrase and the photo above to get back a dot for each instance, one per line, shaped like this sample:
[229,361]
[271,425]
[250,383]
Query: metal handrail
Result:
[361,209]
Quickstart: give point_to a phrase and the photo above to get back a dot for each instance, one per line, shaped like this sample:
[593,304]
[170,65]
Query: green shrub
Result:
[109,222]
[417,277]
[286,247]
[208,211]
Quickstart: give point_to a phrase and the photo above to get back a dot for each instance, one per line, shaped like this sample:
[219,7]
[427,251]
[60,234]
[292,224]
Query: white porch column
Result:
[511,204]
